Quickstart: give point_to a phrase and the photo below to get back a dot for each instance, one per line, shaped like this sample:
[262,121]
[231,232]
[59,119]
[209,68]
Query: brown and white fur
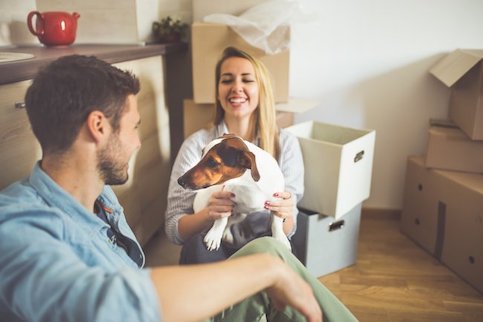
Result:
[238,166]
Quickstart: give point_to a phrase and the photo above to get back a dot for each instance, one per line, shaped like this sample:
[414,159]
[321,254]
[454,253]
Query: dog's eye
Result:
[211,163]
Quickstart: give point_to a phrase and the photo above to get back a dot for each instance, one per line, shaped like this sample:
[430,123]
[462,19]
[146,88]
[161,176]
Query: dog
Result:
[238,166]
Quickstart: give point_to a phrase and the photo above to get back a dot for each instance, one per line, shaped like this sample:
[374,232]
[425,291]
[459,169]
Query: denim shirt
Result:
[58,264]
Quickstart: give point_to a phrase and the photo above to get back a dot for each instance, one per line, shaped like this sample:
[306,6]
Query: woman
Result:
[244,106]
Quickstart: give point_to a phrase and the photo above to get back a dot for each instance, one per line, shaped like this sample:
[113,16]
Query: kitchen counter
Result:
[177,71]
[26,69]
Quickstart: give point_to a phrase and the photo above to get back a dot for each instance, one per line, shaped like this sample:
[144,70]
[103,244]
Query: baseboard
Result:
[381,213]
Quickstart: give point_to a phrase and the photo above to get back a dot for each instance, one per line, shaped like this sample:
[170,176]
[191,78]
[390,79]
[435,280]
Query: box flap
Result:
[296,105]
[452,67]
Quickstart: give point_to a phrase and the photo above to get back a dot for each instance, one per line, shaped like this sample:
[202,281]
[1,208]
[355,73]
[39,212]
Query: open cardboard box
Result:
[462,71]
[338,166]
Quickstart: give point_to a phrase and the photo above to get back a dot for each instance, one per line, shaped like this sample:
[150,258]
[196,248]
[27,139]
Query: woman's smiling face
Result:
[238,90]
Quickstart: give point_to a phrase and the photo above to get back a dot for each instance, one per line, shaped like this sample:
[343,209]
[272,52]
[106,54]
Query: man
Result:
[66,250]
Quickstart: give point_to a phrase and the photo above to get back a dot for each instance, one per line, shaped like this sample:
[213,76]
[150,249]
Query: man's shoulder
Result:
[21,201]
[18,193]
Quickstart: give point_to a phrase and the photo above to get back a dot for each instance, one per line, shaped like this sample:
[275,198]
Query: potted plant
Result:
[169,30]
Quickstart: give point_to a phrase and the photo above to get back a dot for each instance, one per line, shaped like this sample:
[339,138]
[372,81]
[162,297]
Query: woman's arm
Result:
[292,166]
[196,292]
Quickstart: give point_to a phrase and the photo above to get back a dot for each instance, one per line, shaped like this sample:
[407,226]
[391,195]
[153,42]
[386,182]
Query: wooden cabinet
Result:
[18,145]
[143,197]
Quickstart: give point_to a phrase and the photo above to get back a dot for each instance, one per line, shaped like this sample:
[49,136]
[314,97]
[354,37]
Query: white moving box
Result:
[338,166]
[325,244]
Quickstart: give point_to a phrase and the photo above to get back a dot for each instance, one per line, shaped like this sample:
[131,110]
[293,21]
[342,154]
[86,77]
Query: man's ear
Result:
[248,161]
[97,125]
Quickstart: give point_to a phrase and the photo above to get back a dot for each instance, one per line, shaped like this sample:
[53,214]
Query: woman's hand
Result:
[284,205]
[220,205]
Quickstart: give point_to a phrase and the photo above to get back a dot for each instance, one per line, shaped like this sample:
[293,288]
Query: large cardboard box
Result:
[462,70]
[463,234]
[208,42]
[338,166]
[422,217]
[443,212]
[451,149]
[324,244]
[198,116]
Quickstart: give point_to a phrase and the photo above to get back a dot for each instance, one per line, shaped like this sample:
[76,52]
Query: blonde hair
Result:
[263,120]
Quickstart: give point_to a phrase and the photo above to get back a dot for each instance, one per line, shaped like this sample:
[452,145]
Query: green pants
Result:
[257,307]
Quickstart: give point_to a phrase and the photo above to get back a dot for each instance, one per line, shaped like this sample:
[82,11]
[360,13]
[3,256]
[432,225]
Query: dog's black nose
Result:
[181,182]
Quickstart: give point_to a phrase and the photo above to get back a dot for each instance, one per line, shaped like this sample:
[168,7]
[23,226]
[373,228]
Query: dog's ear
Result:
[248,161]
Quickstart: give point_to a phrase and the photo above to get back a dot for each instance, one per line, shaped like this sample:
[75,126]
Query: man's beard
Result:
[111,169]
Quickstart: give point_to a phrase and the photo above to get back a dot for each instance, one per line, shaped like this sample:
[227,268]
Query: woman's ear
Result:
[97,125]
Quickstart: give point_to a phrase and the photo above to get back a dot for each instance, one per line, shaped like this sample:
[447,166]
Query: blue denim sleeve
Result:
[43,279]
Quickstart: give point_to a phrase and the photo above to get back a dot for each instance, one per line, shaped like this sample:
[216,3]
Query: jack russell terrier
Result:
[232,164]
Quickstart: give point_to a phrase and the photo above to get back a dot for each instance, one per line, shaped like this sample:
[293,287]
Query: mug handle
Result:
[29,22]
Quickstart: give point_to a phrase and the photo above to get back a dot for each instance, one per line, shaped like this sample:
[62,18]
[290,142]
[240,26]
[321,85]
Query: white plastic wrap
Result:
[265,26]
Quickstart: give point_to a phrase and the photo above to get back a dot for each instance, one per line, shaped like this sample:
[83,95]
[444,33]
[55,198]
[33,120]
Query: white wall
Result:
[13,22]
[367,62]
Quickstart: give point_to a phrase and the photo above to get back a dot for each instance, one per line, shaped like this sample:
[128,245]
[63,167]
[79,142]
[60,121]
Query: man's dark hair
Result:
[66,91]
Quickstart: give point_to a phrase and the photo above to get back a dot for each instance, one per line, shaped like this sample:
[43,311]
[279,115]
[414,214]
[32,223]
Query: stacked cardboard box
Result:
[443,197]
[338,170]
[200,116]
[208,40]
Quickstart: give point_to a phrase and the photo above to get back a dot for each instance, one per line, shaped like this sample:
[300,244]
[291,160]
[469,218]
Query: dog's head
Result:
[224,158]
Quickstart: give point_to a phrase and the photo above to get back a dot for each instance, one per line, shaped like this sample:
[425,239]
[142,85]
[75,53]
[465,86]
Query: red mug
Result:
[54,28]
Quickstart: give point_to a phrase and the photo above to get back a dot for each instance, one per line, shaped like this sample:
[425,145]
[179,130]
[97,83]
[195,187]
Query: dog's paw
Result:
[212,240]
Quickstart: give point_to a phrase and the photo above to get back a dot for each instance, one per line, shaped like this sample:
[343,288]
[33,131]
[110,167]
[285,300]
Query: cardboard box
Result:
[338,166]
[462,70]
[324,244]
[463,234]
[198,116]
[451,149]
[443,212]
[208,42]
[422,213]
